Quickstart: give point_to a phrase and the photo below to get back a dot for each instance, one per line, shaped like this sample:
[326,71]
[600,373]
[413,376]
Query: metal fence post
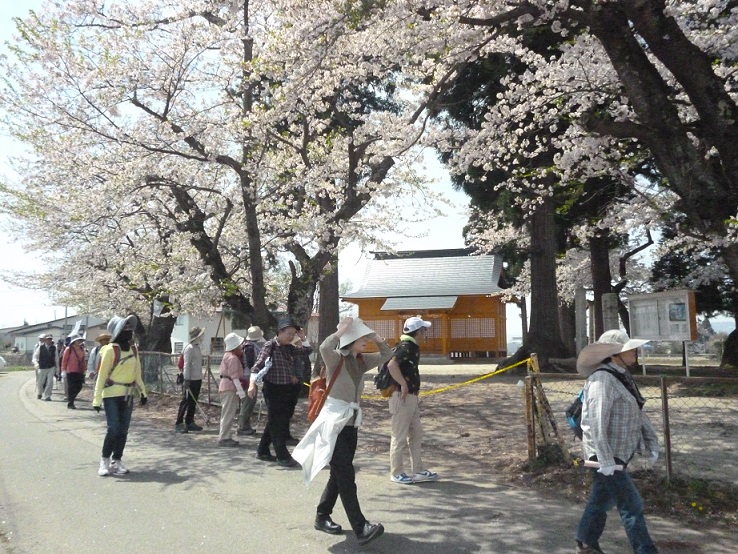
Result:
[667,430]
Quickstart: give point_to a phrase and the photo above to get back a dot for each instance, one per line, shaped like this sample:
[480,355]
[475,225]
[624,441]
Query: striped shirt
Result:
[613,425]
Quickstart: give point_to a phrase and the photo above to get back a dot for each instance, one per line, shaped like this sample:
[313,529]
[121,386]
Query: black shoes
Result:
[370,532]
[326,525]
[266,457]
[289,462]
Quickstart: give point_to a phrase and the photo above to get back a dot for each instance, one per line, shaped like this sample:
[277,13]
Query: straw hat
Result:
[356,330]
[233,341]
[103,337]
[610,343]
[196,333]
[117,324]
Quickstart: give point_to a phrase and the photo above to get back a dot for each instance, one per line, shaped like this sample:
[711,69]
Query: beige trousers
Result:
[228,408]
[407,433]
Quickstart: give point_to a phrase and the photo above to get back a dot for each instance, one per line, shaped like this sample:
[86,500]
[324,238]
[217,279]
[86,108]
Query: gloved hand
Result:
[606,470]
[654,457]
[241,394]
[144,400]
[97,409]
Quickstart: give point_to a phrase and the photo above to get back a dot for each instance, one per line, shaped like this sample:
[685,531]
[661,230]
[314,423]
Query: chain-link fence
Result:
[160,374]
[696,419]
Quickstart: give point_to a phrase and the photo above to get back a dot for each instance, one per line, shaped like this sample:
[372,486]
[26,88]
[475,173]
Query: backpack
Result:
[574,411]
[384,381]
[116,361]
[180,362]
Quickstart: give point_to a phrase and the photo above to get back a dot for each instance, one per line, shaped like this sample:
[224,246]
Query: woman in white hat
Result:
[614,429]
[332,437]
[230,387]
[192,373]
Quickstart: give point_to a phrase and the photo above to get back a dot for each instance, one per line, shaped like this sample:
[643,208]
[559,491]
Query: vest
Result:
[46,356]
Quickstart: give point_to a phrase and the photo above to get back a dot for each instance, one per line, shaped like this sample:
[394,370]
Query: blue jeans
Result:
[118,412]
[607,492]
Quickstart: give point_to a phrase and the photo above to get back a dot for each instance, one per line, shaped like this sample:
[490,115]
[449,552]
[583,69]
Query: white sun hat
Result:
[232,341]
[610,343]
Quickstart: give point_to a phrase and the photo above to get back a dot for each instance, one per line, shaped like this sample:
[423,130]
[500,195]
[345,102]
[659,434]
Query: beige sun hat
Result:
[255,334]
[610,343]
[356,330]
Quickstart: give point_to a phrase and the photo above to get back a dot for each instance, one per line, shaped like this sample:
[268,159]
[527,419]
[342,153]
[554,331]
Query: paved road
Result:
[186,495]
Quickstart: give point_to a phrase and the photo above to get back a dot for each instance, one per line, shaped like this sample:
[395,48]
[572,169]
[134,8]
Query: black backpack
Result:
[384,381]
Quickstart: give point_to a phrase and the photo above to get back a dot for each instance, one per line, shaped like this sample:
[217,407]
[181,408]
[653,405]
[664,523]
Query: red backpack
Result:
[180,362]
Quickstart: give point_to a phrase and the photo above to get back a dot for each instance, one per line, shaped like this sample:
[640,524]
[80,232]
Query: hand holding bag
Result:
[319,392]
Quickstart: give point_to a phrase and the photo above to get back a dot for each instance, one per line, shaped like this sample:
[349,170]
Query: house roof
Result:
[90,321]
[428,280]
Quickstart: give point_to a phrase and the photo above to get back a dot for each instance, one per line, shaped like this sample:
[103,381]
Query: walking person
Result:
[73,369]
[94,358]
[251,348]
[230,387]
[192,372]
[279,382]
[333,436]
[46,363]
[614,428]
[118,379]
[404,405]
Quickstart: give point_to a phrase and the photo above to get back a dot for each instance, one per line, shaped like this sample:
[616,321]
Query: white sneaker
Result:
[424,476]
[104,467]
[402,479]
[117,468]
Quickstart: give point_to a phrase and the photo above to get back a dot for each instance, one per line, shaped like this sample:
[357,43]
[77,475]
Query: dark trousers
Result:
[296,389]
[187,406]
[118,412]
[75,381]
[278,399]
[342,481]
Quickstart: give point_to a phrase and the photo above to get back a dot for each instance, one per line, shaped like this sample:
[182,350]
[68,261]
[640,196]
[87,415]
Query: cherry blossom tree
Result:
[197,145]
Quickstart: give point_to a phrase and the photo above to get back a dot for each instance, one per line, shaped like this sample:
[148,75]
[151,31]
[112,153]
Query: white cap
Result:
[414,323]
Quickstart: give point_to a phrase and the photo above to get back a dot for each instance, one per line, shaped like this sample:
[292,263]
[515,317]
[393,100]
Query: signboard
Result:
[668,315]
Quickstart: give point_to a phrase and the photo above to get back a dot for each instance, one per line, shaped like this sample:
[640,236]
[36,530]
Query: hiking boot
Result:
[369,533]
[326,524]
[245,432]
[193,427]
[117,468]
[104,467]
[402,479]
[228,442]
[180,428]
[588,549]
[266,457]
[288,462]
[71,406]
[425,476]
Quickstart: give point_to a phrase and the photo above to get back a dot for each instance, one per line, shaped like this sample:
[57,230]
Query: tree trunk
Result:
[327,309]
[544,337]
[567,321]
[599,254]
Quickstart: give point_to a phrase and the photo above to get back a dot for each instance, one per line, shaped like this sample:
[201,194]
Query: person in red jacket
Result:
[73,366]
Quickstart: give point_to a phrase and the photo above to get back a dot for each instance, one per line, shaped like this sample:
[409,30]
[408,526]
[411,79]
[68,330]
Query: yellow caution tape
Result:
[457,385]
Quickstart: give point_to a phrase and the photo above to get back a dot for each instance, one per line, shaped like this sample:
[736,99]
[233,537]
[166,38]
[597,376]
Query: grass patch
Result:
[10,368]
